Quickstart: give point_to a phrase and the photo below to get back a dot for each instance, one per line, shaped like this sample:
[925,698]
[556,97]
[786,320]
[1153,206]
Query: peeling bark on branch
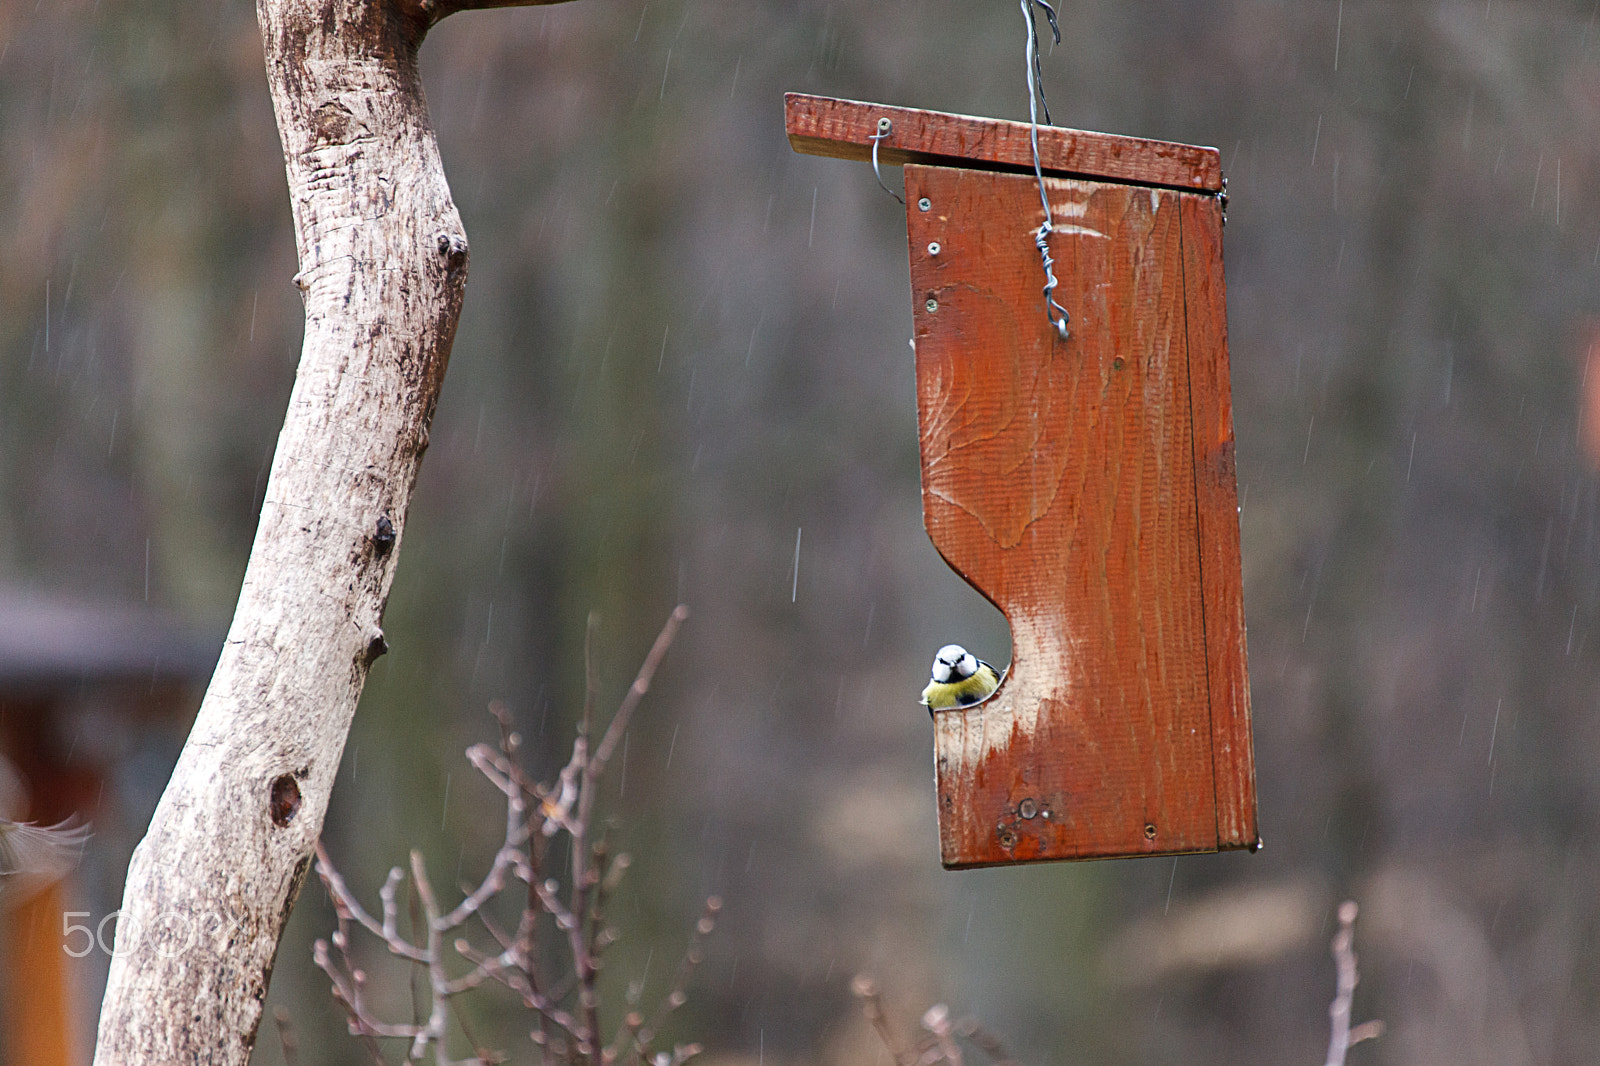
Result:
[383,263]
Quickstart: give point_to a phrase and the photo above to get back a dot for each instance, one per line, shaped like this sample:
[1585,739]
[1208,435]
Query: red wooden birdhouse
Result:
[1083,483]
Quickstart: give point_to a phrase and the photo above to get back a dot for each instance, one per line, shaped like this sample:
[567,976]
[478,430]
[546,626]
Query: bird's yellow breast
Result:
[941,695]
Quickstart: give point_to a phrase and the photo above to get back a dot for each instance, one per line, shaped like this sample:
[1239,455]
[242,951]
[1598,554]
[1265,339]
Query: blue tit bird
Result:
[960,679]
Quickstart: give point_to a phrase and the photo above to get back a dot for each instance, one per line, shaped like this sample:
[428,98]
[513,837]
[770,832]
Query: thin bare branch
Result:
[434,10]
[1344,957]
[985,1041]
[434,1030]
[565,1003]
[872,1006]
[287,1040]
[347,986]
[641,685]
[391,915]
[591,680]
[514,979]
[507,858]
[937,1022]
[345,900]
[581,768]
[639,1036]
[941,1043]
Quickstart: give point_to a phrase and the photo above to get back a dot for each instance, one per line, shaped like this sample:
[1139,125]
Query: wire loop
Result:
[885,127]
[1035,100]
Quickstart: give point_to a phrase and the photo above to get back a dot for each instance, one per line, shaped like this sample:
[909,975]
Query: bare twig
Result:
[434,10]
[937,1021]
[872,1006]
[565,1006]
[643,1034]
[641,685]
[287,1040]
[583,960]
[349,907]
[1344,957]
[985,1041]
[941,1042]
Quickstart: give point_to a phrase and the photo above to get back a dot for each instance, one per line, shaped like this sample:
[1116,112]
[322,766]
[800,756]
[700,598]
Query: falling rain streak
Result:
[1338,35]
[754,333]
[794,589]
[1494,730]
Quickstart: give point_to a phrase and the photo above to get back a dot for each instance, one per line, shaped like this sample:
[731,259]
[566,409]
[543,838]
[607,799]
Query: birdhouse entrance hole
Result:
[1085,485]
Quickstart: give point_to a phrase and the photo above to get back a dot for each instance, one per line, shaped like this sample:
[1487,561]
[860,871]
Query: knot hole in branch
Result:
[285,801]
[453,250]
[377,645]
[383,537]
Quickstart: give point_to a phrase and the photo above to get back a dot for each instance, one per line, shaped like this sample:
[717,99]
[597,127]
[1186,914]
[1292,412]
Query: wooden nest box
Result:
[1084,485]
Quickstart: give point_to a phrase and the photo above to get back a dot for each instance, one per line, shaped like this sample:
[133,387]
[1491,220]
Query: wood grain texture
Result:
[1217,497]
[1059,478]
[842,129]
[383,263]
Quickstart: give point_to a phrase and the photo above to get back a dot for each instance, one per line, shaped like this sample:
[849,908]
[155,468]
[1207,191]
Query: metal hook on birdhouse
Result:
[884,128]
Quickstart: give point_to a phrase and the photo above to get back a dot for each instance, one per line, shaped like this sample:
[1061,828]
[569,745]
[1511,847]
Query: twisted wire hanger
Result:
[1057,314]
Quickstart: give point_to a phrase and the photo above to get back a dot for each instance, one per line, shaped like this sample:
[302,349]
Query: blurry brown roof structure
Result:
[46,641]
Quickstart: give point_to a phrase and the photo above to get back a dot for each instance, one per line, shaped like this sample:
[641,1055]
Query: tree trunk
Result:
[383,264]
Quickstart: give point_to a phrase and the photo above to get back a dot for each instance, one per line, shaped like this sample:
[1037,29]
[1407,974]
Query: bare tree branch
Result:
[566,1012]
[1344,957]
[937,1021]
[434,10]
[941,1044]
[288,1041]
[872,1006]
[383,266]
[637,690]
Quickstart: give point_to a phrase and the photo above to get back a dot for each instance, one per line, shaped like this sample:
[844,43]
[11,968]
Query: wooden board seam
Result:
[1199,541]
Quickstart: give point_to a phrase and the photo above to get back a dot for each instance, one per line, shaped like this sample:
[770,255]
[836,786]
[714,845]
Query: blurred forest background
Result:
[684,353]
